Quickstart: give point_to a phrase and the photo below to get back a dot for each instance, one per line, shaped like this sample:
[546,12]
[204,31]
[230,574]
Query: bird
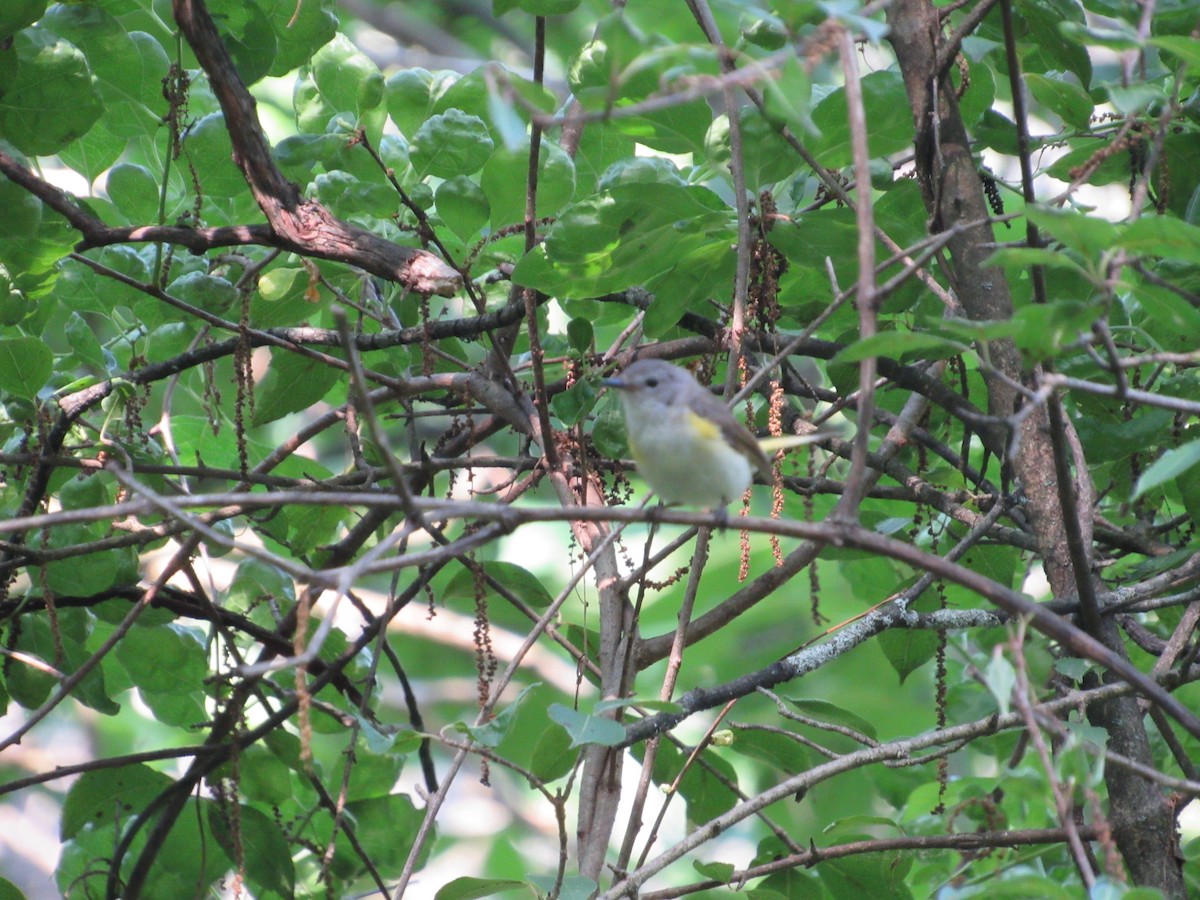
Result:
[687,444]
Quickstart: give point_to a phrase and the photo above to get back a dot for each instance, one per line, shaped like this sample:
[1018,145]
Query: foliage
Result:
[313,504]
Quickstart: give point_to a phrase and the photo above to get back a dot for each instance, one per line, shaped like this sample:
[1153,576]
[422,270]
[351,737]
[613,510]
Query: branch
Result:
[301,226]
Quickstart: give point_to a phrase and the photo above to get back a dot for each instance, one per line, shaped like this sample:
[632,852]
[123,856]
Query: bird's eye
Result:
[651,382]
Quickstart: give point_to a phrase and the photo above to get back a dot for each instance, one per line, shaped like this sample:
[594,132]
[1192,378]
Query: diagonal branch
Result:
[302,226]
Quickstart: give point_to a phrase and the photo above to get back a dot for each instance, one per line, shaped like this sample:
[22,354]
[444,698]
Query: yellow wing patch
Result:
[703,428]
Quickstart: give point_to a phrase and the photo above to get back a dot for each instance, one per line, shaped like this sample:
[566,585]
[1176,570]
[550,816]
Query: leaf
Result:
[453,143]
[1089,235]
[1162,236]
[25,366]
[1168,467]
[260,842]
[465,887]
[492,732]
[783,753]
[832,713]
[208,292]
[166,659]
[587,729]
[715,871]
[519,581]
[300,30]
[410,95]
[1066,100]
[292,383]
[1186,49]
[552,755]
[535,7]
[108,796]
[504,177]
[282,299]
[574,887]
[889,120]
[462,205]
[340,79]
[52,99]
[1000,677]
[626,236]
[900,345]
[129,66]
[787,97]
[385,828]
[907,649]
[16,14]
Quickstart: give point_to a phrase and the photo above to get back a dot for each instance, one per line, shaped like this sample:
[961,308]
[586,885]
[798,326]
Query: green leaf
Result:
[129,67]
[165,659]
[347,196]
[552,755]
[300,30]
[16,14]
[25,366]
[260,842]
[715,871]
[625,236]
[901,345]
[450,144]
[587,729]
[519,581]
[676,129]
[781,752]
[1089,235]
[248,35]
[496,729]
[1066,100]
[386,828]
[1162,236]
[580,334]
[907,649]
[1000,676]
[411,94]
[787,97]
[466,887]
[462,205]
[1185,49]
[889,120]
[339,80]
[535,7]
[869,875]
[832,713]
[574,404]
[504,179]
[52,99]
[263,776]
[108,796]
[1112,38]
[292,383]
[86,346]
[282,299]
[132,188]
[1168,467]
[208,292]
[1017,260]
[574,887]
[767,156]
[211,154]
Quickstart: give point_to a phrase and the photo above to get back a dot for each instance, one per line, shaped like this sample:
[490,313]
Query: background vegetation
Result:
[322,574]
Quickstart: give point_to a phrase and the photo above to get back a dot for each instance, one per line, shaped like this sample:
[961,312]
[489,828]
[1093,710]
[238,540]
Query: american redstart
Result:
[687,444]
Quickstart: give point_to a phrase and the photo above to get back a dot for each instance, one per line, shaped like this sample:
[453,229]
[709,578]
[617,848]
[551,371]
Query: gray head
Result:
[657,380]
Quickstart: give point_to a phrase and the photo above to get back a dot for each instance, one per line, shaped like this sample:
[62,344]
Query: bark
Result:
[1142,821]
